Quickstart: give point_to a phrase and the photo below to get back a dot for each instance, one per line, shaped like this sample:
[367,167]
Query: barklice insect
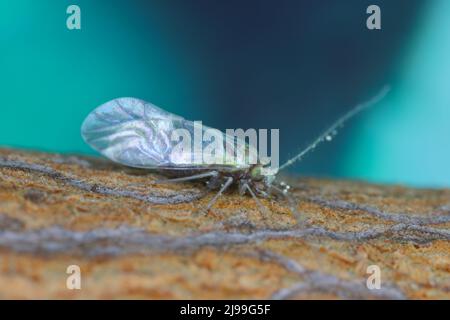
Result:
[137,134]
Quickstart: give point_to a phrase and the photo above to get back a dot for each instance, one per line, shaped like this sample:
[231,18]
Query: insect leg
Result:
[194,177]
[292,204]
[214,183]
[264,211]
[225,186]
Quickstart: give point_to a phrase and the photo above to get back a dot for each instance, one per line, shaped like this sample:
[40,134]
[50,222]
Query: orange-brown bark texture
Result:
[135,237]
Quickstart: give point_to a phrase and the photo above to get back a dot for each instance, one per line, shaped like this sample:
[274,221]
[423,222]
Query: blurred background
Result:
[290,64]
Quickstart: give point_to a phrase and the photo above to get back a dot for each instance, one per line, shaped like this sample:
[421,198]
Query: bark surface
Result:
[134,238]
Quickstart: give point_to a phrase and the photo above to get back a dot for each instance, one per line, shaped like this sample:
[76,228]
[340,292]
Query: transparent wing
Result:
[136,133]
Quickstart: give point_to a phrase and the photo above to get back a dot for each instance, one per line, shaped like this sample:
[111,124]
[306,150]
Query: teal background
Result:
[406,138]
[293,65]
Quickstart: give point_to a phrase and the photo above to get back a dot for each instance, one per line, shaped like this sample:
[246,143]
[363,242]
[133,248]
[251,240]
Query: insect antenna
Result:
[331,131]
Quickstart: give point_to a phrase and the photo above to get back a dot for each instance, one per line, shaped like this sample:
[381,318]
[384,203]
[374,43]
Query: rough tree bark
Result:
[133,238]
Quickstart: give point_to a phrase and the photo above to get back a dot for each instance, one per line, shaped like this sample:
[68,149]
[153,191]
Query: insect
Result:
[137,134]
